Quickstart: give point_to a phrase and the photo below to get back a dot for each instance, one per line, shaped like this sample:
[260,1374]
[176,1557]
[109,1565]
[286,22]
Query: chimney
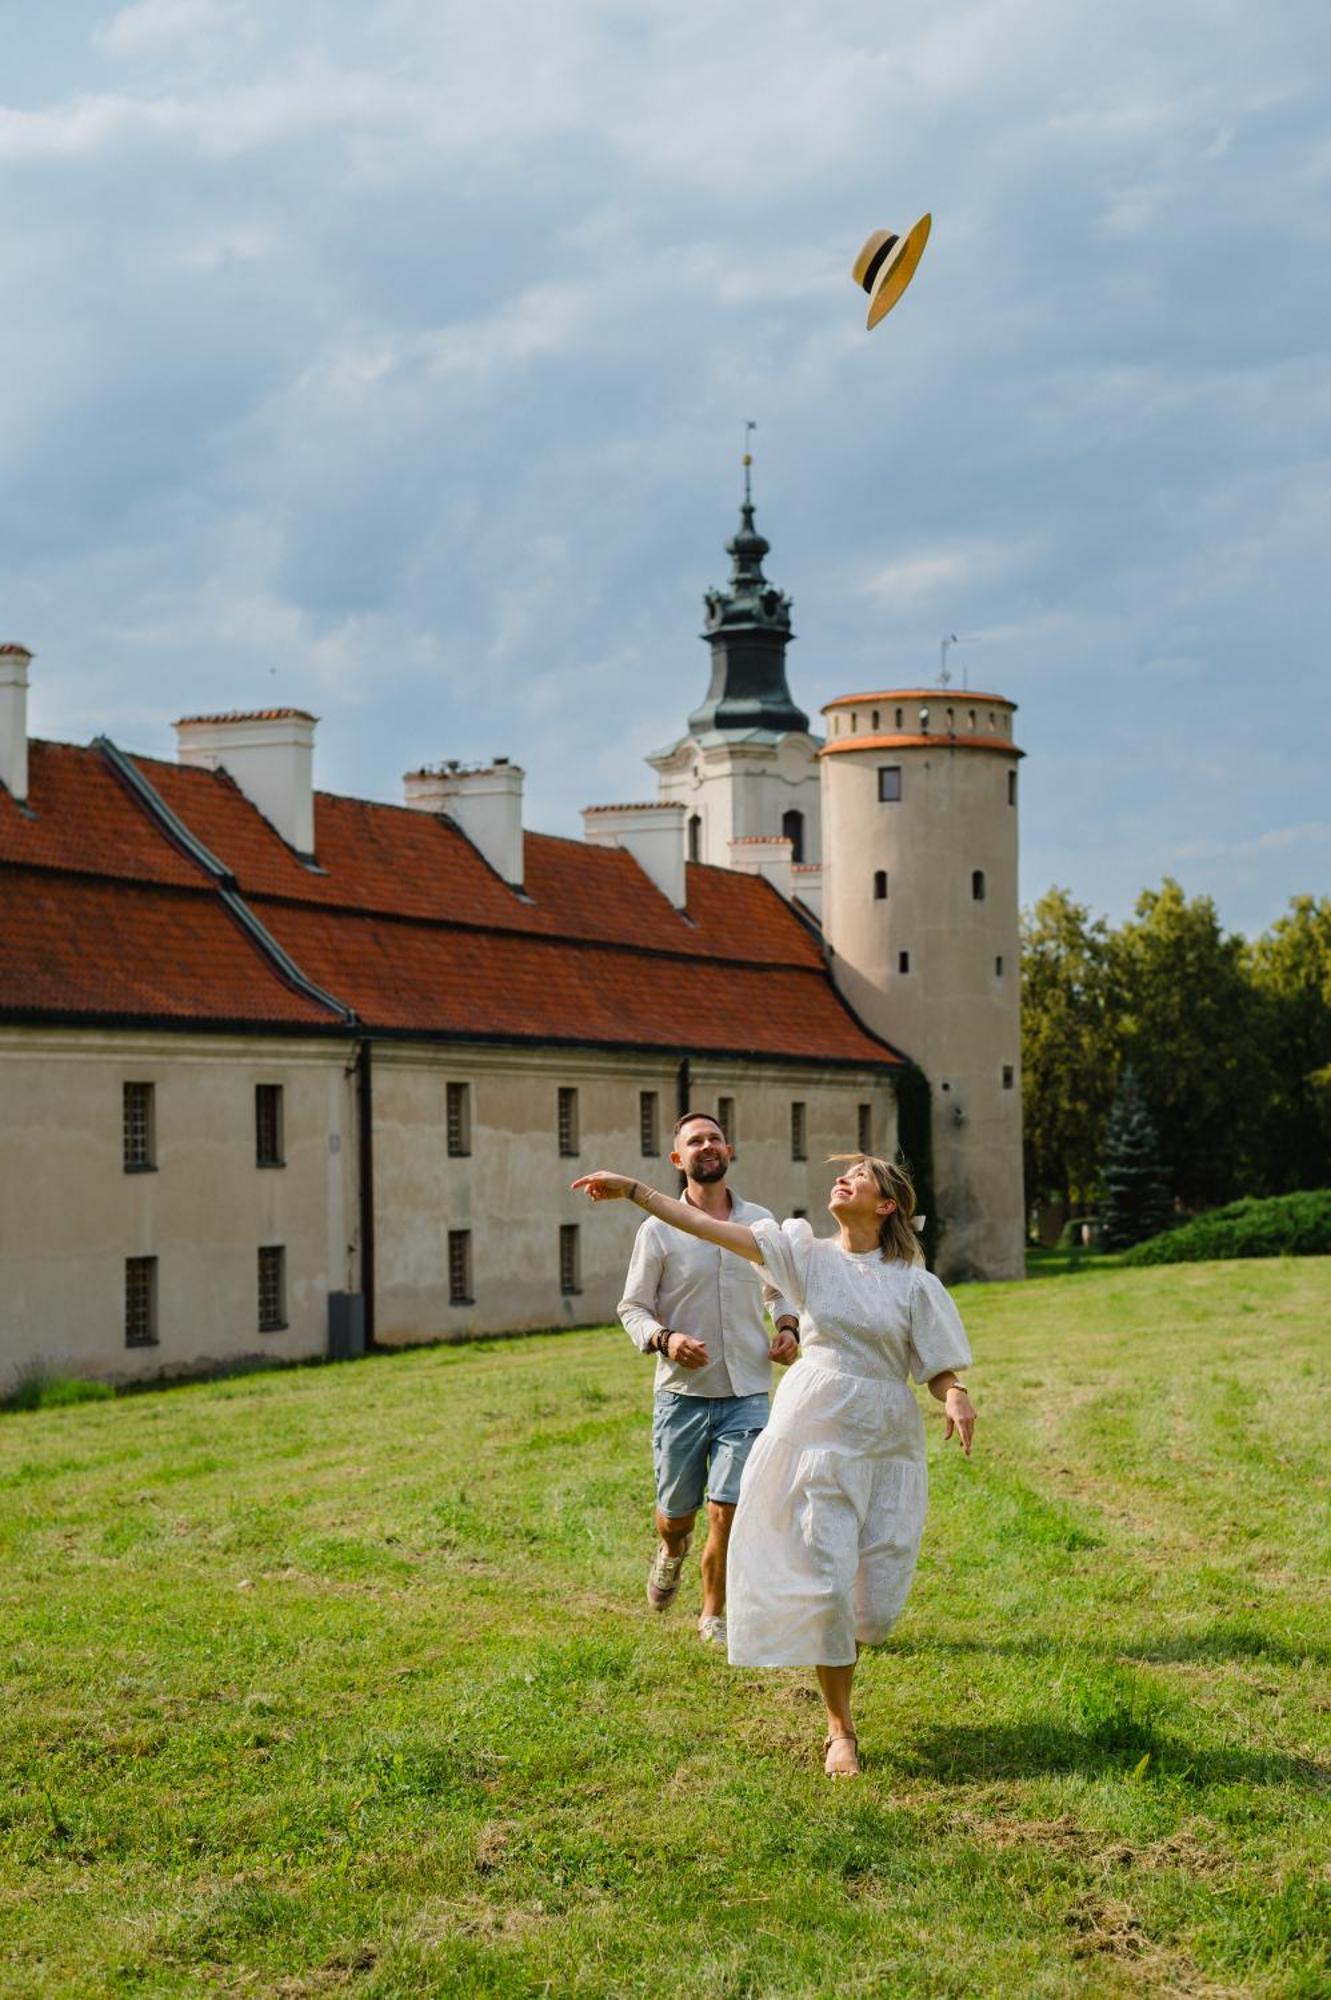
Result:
[652,834]
[484,801]
[14,720]
[270,754]
[767,854]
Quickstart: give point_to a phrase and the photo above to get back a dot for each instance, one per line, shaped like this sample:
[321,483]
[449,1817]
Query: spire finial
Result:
[749,426]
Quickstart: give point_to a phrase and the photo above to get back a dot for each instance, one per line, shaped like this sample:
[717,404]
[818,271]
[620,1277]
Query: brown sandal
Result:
[833,1771]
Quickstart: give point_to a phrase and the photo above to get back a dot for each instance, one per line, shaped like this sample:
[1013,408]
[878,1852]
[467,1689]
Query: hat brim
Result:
[898,271]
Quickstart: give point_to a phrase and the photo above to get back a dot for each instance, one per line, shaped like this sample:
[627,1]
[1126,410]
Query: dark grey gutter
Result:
[223,880]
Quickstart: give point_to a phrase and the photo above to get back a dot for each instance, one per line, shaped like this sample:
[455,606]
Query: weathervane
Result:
[749,425]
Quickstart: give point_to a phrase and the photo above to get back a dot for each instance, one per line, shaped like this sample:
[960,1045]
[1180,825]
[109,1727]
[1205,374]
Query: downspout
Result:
[683,1085]
[365,1149]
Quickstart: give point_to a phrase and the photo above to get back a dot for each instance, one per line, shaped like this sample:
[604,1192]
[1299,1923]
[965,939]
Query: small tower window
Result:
[998,968]
[695,836]
[1012,788]
[970,717]
[875,722]
[889,782]
[901,718]
[951,721]
[854,723]
[903,961]
[880,885]
[1009,1077]
[977,885]
[792,826]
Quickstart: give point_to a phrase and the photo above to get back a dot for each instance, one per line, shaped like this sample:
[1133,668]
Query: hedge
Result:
[1282,1225]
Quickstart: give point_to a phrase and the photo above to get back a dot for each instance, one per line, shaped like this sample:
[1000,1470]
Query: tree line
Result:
[1229,1041]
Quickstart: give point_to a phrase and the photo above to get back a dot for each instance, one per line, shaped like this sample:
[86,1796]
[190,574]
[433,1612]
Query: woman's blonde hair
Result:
[897,1234]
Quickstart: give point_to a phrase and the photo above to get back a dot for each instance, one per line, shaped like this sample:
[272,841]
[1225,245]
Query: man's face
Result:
[701,1151]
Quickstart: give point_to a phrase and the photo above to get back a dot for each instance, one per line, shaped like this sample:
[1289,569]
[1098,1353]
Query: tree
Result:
[1290,966]
[1196,1033]
[1068,1055]
[1137,1198]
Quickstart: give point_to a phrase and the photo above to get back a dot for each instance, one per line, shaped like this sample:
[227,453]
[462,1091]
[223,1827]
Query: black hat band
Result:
[878,259]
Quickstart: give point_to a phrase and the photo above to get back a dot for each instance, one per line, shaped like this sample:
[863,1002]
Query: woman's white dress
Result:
[831,1508]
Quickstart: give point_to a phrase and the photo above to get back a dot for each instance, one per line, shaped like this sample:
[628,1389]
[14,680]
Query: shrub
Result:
[39,1391]
[1282,1225]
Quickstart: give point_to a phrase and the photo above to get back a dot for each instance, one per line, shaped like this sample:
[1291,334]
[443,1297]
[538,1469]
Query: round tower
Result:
[920,912]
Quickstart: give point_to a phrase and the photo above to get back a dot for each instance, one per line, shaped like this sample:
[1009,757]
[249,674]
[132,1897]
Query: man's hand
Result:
[686,1352]
[784,1348]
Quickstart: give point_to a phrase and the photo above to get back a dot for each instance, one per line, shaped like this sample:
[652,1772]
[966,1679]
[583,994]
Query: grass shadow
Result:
[1223,1644]
[964,1754]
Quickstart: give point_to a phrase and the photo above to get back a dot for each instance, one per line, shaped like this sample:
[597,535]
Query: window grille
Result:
[140,1302]
[458,1119]
[799,1136]
[889,782]
[649,1123]
[725,1118]
[268,1125]
[459,1267]
[568,1124]
[570,1260]
[864,1134]
[140,1136]
[272,1288]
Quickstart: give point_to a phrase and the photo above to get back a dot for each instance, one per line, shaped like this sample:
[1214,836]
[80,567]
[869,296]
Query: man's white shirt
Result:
[692,1287]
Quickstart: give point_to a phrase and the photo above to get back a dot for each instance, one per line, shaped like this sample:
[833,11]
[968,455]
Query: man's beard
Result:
[706,1171]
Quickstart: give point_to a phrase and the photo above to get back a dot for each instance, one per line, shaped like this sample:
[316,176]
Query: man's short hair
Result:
[690,1116]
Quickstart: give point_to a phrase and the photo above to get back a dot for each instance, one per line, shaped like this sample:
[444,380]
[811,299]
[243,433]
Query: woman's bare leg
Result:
[835,1682]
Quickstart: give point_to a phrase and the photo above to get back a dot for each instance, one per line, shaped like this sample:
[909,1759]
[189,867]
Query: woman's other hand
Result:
[960,1418]
[606,1187]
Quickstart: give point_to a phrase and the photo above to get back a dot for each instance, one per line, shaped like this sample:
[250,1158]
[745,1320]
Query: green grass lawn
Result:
[340,1682]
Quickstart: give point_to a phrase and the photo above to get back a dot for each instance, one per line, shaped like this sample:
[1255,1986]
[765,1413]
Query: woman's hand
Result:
[960,1417]
[606,1187]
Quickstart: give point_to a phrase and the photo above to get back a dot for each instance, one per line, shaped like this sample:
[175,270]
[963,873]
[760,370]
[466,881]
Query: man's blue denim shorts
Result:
[699,1445]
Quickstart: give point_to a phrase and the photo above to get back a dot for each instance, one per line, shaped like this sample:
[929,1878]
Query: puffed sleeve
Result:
[937,1337]
[786,1247]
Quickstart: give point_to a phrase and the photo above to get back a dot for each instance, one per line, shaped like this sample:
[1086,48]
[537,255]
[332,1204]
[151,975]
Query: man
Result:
[700,1311]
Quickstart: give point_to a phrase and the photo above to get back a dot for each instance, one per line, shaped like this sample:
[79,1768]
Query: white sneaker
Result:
[712,1630]
[663,1578]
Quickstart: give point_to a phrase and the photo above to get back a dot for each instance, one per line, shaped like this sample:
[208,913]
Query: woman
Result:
[831,1509]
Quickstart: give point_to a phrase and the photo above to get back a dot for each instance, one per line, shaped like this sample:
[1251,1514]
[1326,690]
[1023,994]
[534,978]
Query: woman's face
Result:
[856,1192]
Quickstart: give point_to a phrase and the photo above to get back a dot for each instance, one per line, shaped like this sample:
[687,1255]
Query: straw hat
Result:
[886,265]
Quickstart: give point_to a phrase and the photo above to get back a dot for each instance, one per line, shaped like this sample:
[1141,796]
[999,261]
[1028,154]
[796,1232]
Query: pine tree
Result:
[1138,1203]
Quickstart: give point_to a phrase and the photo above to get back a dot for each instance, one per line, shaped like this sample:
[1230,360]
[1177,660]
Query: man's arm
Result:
[637,1308]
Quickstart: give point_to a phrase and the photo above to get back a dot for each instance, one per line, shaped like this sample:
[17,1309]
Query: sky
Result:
[392,360]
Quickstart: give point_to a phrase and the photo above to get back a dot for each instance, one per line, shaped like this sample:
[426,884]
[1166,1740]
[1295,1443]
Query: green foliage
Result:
[1137,1198]
[37,1390]
[1286,1225]
[1068,1015]
[340,1681]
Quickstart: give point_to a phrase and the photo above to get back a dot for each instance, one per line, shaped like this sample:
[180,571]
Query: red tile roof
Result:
[402,920]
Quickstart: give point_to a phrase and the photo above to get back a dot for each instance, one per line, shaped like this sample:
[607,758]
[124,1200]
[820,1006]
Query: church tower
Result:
[746,772]
[920,916]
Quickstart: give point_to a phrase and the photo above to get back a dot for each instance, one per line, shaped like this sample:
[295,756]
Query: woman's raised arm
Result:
[736,1236]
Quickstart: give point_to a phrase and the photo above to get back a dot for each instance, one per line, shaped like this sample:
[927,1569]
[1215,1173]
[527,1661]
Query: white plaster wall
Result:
[70,1215]
[740,790]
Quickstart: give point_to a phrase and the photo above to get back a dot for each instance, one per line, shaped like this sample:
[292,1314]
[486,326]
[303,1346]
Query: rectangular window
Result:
[889,782]
[1012,788]
[272,1288]
[570,1260]
[459,1267]
[457,1102]
[725,1118]
[649,1123]
[1009,1077]
[998,968]
[140,1128]
[799,1136]
[568,1124]
[140,1302]
[903,961]
[268,1137]
[864,1134]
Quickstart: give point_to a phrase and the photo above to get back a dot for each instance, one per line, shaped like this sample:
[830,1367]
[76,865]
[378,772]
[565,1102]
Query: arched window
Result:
[880,885]
[951,721]
[792,826]
[854,722]
[875,721]
[970,712]
[695,836]
[977,884]
[901,717]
